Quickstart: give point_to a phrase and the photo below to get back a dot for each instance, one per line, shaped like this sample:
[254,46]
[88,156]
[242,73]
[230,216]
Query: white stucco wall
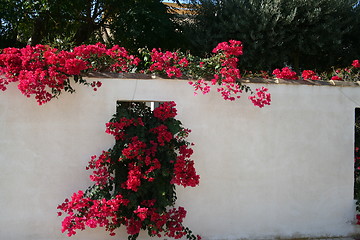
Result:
[281,171]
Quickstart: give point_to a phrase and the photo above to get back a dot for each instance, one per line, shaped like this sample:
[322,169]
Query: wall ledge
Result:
[140,76]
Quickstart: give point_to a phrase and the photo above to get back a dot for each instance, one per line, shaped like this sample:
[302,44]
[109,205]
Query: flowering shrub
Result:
[222,69]
[351,73]
[135,180]
[285,73]
[228,74]
[356,64]
[219,69]
[261,98]
[309,74]
[45,72]
[337,78]
[170,63]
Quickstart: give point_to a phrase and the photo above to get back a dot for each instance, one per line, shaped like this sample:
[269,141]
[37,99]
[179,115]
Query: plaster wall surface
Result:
[282,171]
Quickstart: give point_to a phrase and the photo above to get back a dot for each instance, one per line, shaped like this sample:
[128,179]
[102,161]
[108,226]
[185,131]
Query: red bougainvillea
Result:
[285,73]
[45,72]
[310,75]
[135,180]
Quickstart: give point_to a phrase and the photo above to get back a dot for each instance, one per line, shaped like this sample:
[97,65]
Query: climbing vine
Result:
[45,72]
[135,180]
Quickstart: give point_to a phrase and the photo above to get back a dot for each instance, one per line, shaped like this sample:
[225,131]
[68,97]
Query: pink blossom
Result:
[134,178]
[141,213]
[74,66]
[261,97]
[356,63]
[200,85]
[44,72]
[336,78]
[168,62]
[163,134]
[165,111]
[101,174]
[285,73]
[309,74]
[233,47]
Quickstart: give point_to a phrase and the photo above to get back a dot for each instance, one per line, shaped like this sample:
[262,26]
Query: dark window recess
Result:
[357,155]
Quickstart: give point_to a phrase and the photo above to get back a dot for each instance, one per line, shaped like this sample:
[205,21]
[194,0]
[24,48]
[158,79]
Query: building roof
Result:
[181,9]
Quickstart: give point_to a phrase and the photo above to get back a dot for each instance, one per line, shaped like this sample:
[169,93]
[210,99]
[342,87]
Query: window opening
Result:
[357,154]
[153,104]
[137,106]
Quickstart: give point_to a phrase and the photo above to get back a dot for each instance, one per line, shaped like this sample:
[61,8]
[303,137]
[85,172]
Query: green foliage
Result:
[135,179]
[305,34]
[144,23]
[37,22]
[159,189]
[68,23]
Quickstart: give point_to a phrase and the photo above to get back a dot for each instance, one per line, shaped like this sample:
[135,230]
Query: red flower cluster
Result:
[36,69]
[261,97]
[101,174]
[228,74]
[174,224]
[83,211]
[184,171]
[351,73]
[285,73]
[309,74]
[182,134]
[337,78]
[146,162]
[163,134]
[168,62]
[143,164]
[134,178]
[95,55]
[170,222]
[142,156]
[356,64]
[135,148]
[200,85]
[117,129]
[44,71]
[233,48]
[165,111]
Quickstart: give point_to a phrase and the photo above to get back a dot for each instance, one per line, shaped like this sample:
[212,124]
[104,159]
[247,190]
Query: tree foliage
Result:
[145,23]
[305,33]
[74,22]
